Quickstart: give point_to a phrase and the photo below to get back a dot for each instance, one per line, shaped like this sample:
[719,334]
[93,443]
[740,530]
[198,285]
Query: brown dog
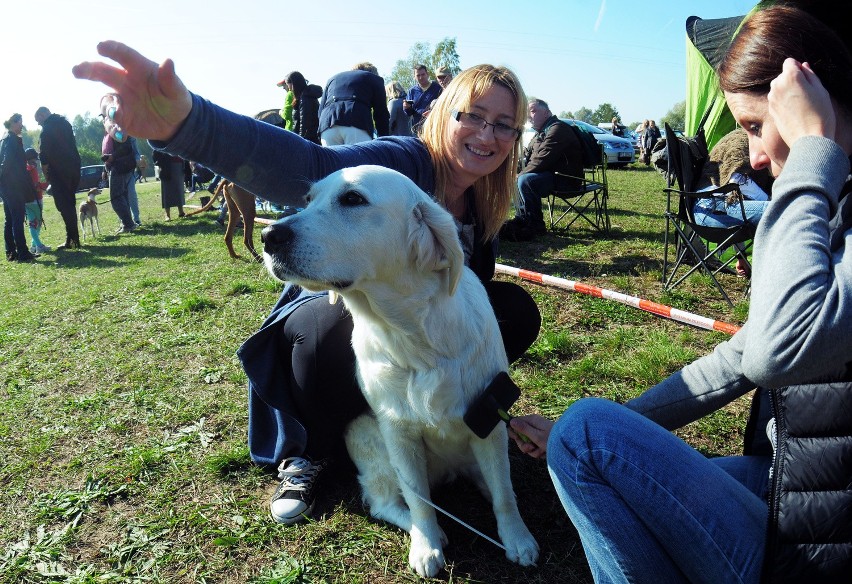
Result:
[89,211]
[240,203]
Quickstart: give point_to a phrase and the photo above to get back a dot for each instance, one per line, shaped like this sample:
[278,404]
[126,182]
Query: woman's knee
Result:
[517,316]
[583,423]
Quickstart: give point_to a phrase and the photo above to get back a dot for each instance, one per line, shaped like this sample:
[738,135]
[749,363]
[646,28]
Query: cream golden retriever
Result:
[426,343]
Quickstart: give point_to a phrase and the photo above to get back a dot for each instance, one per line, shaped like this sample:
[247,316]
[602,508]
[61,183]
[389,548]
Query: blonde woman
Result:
[400,124]
[300,364]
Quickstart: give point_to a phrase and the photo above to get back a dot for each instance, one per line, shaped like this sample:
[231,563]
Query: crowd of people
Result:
[647,506]
[355,106]
[27,175]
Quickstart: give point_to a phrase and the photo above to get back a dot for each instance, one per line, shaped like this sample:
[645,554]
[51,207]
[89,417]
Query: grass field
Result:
[123,451]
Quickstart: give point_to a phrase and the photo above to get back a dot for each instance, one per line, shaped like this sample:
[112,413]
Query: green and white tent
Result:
[706,43]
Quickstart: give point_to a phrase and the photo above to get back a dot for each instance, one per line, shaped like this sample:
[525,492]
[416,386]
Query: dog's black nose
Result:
[276,236]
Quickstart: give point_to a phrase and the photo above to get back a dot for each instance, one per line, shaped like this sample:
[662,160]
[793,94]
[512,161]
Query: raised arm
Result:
[152,102]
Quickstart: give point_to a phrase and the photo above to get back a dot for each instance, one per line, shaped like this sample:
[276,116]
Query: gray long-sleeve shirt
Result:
[799,326]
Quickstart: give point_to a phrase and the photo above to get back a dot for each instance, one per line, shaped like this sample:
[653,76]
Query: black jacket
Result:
[123,159]
[306,114]
[356,99]
[59,156]
[15,181]
[809,532]
[555,148]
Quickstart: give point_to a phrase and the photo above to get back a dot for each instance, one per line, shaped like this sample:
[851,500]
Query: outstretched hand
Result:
[534,427]
[152,102]
[799,104]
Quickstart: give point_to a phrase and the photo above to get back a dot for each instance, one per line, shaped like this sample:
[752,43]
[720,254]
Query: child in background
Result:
[35,217]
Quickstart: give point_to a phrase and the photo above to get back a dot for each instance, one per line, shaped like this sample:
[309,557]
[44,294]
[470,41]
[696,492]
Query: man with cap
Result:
[444,76]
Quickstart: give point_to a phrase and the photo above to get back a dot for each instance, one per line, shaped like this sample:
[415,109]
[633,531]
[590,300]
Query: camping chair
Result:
[587,200]
[694,243]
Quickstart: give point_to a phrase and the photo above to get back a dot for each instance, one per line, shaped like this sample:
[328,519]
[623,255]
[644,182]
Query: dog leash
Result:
[453,517]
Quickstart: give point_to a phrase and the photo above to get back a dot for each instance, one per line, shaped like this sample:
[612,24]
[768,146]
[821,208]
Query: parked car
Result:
[91,177]
[619,151]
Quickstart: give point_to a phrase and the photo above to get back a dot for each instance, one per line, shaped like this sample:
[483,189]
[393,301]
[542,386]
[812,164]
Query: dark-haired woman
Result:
[305,106]
[648,507]
[16,190]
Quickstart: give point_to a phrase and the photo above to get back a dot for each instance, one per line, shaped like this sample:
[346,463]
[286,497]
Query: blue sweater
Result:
[278,165]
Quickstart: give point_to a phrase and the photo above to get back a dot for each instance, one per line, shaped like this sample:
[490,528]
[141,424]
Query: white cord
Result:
[457,520]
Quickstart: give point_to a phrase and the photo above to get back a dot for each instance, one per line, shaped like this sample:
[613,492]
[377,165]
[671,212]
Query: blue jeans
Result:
[650,508]
[133,199]
[13,228]
[119,197]
[716,213]
[534,186]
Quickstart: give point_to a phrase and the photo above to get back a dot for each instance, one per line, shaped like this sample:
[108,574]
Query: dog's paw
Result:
[424,558]
[522,548]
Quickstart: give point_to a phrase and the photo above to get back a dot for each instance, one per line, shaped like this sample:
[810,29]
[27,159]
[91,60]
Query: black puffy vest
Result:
[809,532]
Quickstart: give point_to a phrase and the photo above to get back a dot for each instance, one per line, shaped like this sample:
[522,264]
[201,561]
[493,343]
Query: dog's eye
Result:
[351,199]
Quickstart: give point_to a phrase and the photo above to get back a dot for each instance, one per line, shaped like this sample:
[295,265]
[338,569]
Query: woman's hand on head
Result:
[799,104]
[152,100]
[534,427]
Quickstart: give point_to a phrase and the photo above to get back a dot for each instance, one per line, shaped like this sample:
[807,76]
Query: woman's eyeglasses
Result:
[471,121]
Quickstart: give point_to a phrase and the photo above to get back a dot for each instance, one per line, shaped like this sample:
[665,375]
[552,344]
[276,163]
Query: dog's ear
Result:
[434,242]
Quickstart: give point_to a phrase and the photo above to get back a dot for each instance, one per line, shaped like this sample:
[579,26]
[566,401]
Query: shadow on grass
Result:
[470,556]
[544,256]
[111,253]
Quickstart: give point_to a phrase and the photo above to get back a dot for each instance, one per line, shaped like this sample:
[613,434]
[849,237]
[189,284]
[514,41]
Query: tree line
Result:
[445,54]
[89,130]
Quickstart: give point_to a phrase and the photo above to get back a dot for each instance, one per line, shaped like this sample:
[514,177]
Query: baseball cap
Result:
[282,83]
[442,71]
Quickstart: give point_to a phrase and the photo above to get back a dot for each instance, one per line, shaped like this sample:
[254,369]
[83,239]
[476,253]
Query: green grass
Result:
[123,422]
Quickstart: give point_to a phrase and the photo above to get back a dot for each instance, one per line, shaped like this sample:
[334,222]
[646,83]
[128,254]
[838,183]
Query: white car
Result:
[619,151]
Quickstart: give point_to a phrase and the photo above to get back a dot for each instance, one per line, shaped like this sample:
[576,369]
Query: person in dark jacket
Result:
[60,162]
[649,139]
[121,165]
[16,190]
[305,106]
[650,508]
[353,107]
[555,148]
[400,124]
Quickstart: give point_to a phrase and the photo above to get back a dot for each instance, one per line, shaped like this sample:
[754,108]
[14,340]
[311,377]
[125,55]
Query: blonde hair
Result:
[394,90]
[492,193]
[366,66]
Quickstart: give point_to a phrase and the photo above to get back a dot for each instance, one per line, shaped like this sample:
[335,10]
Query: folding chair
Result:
[588,199]
[694,243]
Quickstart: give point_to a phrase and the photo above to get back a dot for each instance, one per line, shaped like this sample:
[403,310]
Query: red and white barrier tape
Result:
[642,304]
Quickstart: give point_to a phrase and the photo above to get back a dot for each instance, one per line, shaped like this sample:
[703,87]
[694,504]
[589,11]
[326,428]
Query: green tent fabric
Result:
[706,43]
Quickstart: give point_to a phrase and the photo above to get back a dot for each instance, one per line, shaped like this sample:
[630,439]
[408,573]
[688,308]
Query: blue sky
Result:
[572,53]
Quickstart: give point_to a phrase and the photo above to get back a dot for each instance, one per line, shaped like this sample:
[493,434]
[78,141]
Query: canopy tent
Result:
[706,43]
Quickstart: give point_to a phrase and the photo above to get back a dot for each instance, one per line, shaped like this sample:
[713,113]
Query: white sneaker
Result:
[293,500]
[40,248]
[124,229]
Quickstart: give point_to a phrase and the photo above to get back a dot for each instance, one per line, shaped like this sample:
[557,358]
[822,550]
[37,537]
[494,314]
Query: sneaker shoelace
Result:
[297,473]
